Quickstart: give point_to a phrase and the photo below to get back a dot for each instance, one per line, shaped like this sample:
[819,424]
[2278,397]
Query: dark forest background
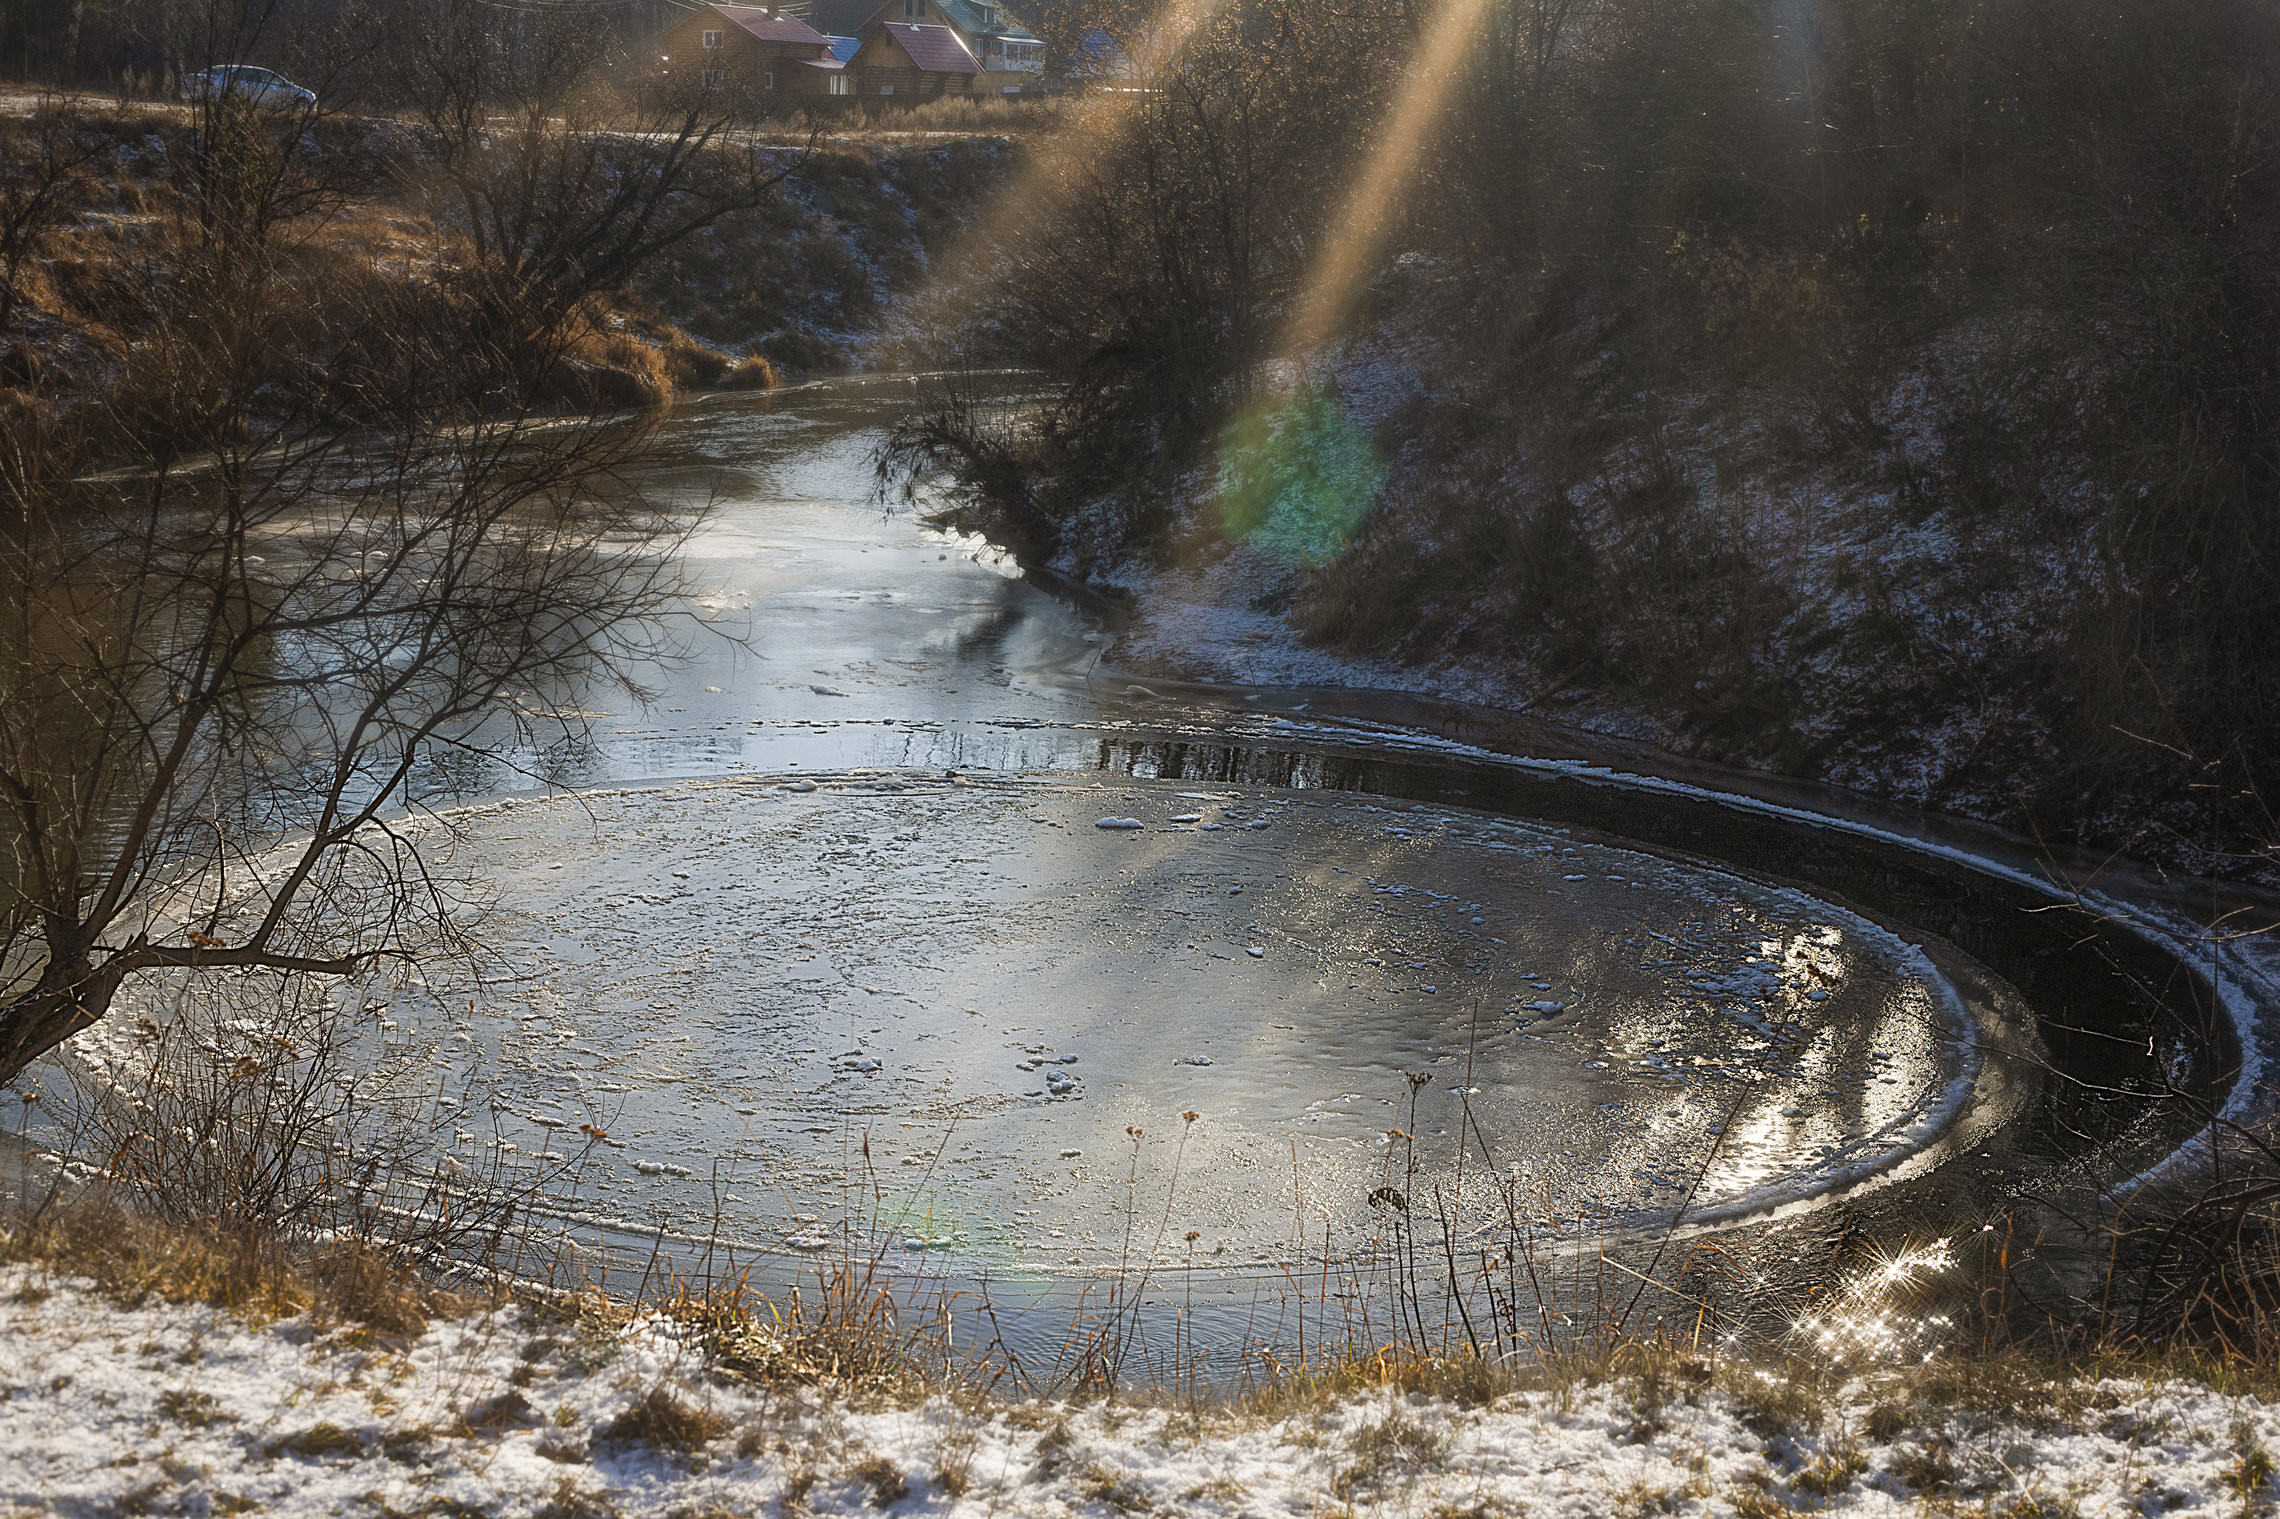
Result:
[1877,390]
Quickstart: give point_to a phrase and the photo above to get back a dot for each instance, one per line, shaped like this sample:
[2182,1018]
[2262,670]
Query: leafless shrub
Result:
[45,163]
[352,554]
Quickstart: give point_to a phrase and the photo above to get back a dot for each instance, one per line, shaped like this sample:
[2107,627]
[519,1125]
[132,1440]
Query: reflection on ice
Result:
[1886,1312]
[796,989]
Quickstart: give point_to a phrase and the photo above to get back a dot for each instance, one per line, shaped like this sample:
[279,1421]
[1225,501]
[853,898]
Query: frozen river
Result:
[892,926]
[749,982]
[831,942]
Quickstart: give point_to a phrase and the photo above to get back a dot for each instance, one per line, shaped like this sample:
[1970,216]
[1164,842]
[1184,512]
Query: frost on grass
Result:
[164,1408]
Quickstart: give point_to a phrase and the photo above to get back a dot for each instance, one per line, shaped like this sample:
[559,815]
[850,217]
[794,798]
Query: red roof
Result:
[772,26]
[935,49]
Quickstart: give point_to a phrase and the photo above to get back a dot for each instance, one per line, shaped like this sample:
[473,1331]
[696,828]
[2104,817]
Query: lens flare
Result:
[1296,477]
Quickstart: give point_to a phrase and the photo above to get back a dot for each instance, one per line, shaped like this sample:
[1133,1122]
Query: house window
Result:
[842,85]
[886,89]
[914,10]
[712,39]
[767,80]
[712,79]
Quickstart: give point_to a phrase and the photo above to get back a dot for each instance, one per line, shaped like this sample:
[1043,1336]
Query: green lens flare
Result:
[1295,480]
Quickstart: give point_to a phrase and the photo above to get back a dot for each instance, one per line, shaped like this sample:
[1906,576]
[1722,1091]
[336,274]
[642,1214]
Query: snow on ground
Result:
[173,1409]
[1219,617]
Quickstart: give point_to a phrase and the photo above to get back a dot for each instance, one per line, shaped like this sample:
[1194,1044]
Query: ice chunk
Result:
[1193,1060]
[827,690]
[1119,823]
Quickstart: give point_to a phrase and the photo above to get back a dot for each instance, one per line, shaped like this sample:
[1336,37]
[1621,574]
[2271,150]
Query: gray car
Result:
[264,87]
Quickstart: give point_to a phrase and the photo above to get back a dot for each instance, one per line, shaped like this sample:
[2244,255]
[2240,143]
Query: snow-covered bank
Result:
[185,1409]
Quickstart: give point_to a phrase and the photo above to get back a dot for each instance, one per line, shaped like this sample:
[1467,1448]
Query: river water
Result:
[893,925]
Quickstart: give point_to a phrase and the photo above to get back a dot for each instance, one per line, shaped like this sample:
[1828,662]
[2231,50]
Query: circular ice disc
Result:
[973,1016]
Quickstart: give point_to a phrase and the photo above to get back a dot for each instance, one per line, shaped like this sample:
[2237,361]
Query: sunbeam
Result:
[1098,121]
[1329,289]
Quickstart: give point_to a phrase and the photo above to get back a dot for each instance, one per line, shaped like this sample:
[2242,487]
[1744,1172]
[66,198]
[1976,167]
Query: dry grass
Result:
[884,1479]
[359,1283]
[1393,1448]
[990,115]
[134,1259]
[2016,1385]
[1464,1379]
[89,314]
[752,373]
[609,367]
[665,1422]
[1775,1400]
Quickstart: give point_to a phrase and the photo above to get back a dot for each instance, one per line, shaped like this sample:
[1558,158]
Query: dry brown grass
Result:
[971,114]
[1775,1400]
[359,1284]
[885,1480]
[610,359]
[609,367]
[132,1259]
[753,373]
[664,1421]
[95,327]
[1466,1380]
[1390,1451]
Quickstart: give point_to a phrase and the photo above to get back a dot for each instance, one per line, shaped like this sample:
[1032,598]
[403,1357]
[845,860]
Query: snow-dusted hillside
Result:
[112,1409]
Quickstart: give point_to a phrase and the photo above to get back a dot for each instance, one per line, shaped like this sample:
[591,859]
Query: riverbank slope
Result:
[118,1401]
[104,194]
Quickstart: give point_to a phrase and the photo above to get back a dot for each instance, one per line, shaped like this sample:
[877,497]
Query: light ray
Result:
[1099,119]
[1424,86]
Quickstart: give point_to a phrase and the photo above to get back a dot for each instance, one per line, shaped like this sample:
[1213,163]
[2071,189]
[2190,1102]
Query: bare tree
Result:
[565,185]
[274,641]
[347,558]
[1146,263]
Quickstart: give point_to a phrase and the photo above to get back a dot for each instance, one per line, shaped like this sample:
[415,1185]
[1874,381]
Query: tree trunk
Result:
[50,1013]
